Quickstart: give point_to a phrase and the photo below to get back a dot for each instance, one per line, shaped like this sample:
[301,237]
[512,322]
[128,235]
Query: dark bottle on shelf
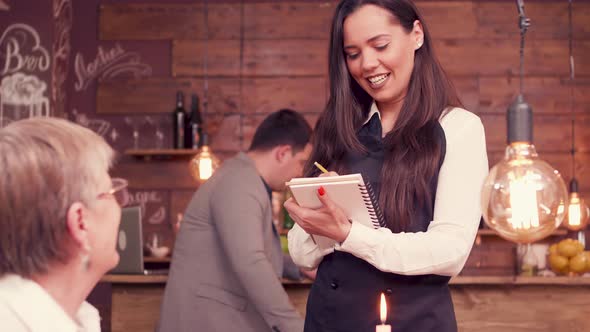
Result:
[179,122]
[194,128]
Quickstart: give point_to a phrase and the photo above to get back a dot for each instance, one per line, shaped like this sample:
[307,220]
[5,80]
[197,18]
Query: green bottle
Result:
[287,221]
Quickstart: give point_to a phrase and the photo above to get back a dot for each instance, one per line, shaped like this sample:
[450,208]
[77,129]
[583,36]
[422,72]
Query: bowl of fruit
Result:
[567,257]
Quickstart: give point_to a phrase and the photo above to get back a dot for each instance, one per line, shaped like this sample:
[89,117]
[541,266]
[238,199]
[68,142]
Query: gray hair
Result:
[46,165]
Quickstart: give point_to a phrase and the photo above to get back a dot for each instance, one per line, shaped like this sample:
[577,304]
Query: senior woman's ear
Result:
[78,229]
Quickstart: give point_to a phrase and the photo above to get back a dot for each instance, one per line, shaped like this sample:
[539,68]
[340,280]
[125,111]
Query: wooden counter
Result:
[134,279]
[461,280]
[135,300]
[522,304]
[510,280]
[482,304]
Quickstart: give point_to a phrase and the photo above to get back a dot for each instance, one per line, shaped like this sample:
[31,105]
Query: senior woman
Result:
[59,218]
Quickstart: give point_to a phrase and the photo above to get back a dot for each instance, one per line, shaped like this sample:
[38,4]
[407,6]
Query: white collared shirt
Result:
[26,306]
[372,111]
[444,247]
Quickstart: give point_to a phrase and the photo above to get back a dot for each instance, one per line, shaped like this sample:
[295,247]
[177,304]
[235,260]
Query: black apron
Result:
[346,293]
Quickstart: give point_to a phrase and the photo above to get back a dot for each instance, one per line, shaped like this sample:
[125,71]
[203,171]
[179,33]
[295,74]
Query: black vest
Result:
[345,295]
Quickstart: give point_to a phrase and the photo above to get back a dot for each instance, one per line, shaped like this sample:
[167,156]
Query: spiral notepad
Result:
[348,191]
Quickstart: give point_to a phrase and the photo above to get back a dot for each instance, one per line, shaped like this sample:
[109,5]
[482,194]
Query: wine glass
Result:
[134,124]
[159,133]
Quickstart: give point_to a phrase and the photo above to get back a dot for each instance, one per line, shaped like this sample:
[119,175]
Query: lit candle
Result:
[383,314]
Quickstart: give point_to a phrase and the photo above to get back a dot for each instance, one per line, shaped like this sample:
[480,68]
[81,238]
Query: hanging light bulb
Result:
[523,198]
[204,163]
[577,214]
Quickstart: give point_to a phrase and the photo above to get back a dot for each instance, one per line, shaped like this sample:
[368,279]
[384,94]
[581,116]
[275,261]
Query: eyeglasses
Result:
[118,191]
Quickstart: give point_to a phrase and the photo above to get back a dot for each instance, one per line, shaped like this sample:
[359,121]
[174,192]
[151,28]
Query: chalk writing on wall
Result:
[22,93]
[21,50]
[99,126]
[62,18]
[151,203]
[108,64]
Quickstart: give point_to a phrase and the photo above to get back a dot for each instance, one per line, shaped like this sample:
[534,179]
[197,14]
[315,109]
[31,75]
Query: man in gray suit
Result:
[225,269]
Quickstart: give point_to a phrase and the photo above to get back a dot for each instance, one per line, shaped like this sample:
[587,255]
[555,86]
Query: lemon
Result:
[578,263]
[568,248]
[558,263]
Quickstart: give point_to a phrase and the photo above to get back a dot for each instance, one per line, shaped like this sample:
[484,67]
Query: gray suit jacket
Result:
[223,273]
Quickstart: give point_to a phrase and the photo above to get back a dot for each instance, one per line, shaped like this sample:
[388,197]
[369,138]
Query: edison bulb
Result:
[577,213]
[523,198]
[203,164]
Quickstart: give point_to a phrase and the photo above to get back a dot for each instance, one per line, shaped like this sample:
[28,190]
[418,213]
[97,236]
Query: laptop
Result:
[130,244]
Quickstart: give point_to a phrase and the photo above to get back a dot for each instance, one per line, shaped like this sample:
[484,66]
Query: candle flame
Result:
[383,309]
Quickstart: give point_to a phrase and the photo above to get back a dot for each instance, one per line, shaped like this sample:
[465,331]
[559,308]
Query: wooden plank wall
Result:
[263,56]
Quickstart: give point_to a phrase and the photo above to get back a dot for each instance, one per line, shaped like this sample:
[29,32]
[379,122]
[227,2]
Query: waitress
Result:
[393,116]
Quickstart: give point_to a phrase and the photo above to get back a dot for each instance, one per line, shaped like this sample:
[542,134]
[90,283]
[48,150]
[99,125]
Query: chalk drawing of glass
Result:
[22,96]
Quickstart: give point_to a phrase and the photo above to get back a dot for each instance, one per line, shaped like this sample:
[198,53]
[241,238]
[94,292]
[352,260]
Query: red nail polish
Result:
[321,191]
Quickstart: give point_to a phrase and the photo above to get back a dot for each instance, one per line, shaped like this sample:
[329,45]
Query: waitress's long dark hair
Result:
[412,150]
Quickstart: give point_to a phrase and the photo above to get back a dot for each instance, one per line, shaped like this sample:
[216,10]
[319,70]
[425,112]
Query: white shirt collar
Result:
[38,311]
[373,110]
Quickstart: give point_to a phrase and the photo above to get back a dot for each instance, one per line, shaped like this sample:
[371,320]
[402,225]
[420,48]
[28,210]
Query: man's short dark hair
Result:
[283,127]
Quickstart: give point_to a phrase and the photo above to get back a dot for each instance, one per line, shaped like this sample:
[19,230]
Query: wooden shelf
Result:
[134,279]
[287,282]
[482,232]
[514,280]
[151,259]
[161,153]
[162,279]
[491,232]
[460,280]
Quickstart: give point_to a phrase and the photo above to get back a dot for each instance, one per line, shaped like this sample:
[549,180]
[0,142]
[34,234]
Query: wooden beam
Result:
[265,95]
[168,21]
[292,20]
[157,95]
[290,57]
[223,58]
[500,57]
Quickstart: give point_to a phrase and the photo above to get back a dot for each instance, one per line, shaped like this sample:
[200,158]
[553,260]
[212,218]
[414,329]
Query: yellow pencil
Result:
[320,167]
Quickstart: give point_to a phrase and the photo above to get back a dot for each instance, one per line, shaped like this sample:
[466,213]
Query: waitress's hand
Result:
[329,220]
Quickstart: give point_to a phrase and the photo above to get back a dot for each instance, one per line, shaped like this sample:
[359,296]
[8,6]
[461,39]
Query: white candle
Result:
[383,328]
[383,315]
